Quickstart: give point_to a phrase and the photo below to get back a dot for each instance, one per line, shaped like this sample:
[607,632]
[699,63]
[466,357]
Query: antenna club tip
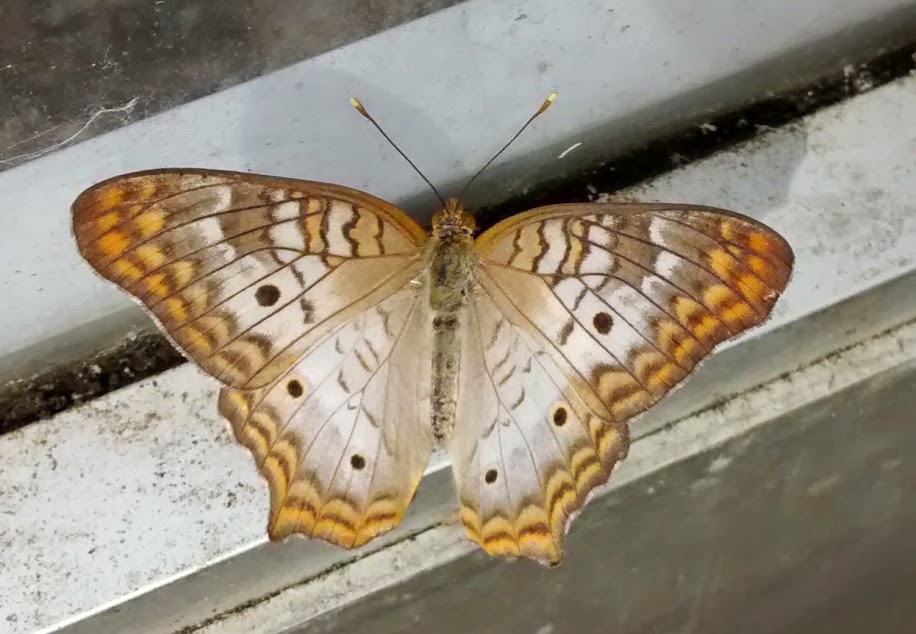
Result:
[356,103]
[549,100]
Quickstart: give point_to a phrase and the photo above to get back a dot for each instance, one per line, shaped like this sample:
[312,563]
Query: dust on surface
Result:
[43,395]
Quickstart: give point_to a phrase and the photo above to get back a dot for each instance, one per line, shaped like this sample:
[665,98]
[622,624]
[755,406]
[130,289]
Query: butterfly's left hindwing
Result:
[245,272]
[343,437]
[586,315]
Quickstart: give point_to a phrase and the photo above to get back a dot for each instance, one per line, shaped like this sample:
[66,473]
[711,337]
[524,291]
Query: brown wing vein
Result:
[772,256]
[185,225]
[503,405]
[220,285]
[624,319]
[256,403]
[359,411]
[651,272]
[680,290]
[553,434]
[683,257]
[378,444]
[595,339]
[659,307]
[362,392]
[330,482]
[146,204]
[564,458]
[191,254]
[307,399]
[226,238]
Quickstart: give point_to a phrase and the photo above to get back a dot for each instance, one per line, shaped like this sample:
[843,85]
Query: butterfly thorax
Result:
[450,261]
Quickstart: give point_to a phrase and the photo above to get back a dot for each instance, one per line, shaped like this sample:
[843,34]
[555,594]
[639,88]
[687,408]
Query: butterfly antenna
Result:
[362,110]
[549,100]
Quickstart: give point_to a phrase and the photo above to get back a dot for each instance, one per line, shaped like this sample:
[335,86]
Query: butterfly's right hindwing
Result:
[528,446]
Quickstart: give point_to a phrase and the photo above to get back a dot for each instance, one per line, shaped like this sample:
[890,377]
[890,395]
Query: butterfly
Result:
[349,342]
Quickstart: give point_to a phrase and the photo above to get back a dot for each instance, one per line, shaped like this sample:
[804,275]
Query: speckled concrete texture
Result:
[108,498]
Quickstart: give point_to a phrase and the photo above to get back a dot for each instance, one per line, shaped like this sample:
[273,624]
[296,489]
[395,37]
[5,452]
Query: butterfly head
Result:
[453,221]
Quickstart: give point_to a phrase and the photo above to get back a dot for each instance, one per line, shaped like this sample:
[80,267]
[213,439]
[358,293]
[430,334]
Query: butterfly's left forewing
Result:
[586,315]
[245,272]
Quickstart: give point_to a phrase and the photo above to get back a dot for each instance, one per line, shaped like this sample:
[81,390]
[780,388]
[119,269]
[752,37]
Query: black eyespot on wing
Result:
[490,476]
[267,295]
[294,388]
[603,323]
[357,462]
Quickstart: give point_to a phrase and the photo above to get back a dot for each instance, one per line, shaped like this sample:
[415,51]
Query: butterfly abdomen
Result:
[449,277]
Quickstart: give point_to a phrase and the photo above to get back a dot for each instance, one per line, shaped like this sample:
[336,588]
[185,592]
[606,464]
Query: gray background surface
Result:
[802,527]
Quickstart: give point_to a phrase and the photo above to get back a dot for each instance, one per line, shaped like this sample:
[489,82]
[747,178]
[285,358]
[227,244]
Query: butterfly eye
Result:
[267,295]
[468,221]
[437,217]
[357,461]
[490,476]
[603,323]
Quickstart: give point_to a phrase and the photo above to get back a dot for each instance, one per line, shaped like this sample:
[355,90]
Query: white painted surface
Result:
[840,186]
[449,87]
[145,483]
